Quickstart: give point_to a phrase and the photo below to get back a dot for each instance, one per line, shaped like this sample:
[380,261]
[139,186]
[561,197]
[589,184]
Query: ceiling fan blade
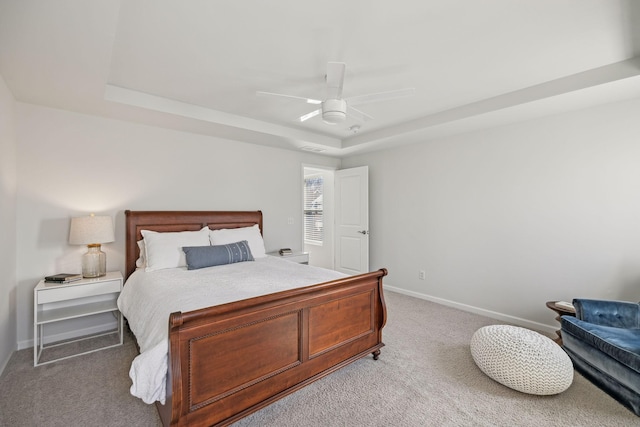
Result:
[335,79]
[281,95]
[307,116]
[357,114]
[381,96]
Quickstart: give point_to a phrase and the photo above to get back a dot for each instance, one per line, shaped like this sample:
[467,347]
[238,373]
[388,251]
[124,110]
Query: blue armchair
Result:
[603,341]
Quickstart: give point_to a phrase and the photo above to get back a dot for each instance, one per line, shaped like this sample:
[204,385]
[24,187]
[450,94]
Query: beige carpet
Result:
[425,377]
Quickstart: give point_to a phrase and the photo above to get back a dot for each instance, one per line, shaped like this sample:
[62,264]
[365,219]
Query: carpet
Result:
[425,377]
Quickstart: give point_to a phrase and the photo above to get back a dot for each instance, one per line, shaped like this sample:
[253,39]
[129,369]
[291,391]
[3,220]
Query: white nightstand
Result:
[299,257]
[86,297]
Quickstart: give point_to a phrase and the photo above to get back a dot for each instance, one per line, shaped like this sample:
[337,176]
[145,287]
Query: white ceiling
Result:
[195,65]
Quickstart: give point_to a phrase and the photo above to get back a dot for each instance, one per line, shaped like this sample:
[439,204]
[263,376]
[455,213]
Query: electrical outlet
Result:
[290,220]
[421,274]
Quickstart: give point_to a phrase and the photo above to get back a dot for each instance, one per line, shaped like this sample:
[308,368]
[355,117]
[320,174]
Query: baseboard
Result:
[518,321]
[76,333]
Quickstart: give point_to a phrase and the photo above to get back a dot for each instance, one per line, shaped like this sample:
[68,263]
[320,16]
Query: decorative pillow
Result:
[208,256]
[250,234]
[164,250]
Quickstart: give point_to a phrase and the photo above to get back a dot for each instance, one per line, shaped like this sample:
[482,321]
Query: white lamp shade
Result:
[88,230]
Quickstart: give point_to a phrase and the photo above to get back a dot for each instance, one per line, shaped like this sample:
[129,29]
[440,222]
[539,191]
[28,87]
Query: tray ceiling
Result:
[197,65]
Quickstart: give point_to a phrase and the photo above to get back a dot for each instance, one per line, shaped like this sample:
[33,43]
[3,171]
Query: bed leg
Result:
[376,354]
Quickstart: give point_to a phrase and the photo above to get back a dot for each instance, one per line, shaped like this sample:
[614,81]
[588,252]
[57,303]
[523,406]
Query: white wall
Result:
[503,220]
[7,225]
[71,164]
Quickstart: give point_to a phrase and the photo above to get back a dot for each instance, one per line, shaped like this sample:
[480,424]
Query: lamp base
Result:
[94,262]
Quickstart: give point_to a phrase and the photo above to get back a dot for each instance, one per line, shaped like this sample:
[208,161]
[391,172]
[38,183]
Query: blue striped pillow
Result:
[208,256]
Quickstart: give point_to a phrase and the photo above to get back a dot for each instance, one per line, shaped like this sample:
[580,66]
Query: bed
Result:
[229,360]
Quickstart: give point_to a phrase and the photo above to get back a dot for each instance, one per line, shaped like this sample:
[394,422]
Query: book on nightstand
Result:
[62,278]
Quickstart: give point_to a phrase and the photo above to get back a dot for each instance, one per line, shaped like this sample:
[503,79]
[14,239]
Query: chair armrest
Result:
[619,314]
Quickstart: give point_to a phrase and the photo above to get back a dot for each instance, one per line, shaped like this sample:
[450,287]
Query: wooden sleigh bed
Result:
[228,361]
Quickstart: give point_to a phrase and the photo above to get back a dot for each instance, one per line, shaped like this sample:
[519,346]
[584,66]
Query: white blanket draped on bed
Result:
[148,298]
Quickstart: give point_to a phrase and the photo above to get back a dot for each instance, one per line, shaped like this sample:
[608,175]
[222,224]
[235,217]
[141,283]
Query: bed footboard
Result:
[228,361]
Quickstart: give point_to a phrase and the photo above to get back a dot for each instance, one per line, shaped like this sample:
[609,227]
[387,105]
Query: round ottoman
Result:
[522,359]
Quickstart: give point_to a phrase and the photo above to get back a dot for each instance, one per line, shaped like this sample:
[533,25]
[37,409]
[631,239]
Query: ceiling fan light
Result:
[334,117]
[334,111]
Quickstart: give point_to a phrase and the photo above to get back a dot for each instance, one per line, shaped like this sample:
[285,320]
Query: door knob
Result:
[364,232]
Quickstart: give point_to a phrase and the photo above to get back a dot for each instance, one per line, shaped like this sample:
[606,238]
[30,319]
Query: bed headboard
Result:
[164,221]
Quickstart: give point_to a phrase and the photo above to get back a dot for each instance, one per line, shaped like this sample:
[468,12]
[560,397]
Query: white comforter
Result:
[148,299]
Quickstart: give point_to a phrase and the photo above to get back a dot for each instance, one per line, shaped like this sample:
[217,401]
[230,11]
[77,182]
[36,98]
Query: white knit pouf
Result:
[522,359]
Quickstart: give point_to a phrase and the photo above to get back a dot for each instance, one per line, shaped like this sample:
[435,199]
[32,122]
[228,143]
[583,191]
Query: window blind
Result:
[313,213]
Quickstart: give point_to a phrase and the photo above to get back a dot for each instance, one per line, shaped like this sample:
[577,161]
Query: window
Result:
[313,226]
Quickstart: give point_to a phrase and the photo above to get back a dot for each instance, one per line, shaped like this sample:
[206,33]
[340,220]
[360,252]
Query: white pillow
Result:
[164,250]
[232,235]
[141,261]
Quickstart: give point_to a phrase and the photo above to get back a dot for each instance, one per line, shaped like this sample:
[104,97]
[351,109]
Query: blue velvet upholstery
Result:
[603,341]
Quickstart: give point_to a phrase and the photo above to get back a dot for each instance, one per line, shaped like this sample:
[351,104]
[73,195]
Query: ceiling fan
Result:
[335,109]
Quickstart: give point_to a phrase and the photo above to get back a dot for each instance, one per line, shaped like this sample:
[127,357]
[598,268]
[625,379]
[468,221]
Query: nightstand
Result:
[87,297]
[299,257]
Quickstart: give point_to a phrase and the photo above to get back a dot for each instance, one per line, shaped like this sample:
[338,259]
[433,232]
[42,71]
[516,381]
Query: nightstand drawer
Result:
[77,291]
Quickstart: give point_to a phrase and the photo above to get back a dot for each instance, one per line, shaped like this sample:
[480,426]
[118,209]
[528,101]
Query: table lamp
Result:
[92,231]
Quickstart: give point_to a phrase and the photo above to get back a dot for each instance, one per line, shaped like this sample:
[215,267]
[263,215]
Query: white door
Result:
[352,220]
